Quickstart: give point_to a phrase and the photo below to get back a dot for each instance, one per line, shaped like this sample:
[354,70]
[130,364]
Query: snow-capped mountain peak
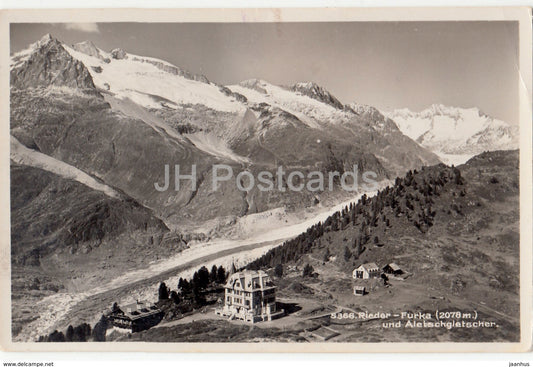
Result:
[18,58]
[46,62]
[150,82]
[310,103]
[455,131]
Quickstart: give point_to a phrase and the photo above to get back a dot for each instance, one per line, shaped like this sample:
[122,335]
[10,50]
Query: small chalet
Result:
[392,269]
[136,317]
[366,271]
[359,290]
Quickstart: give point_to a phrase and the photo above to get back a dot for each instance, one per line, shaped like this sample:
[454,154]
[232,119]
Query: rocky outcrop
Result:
[317,92]
[48,63]
[119,54]
[254,84]
[89,48]
[239,97]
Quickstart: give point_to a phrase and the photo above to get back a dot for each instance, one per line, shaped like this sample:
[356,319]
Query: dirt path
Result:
[196,316]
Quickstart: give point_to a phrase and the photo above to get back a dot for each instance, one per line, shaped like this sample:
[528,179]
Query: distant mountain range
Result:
[455,134]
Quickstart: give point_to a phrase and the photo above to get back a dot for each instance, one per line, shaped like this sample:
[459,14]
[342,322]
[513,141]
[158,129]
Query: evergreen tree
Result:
[100,329]
[308,271]
[195,282]
[458,180]
[203,277]
[87,329]
[327,255]
[213,274]
[78,334]
[175,297]
[347,254]
[278,270]
[358,248]
[221,275]
[163,291]
[69,333]
[184,286]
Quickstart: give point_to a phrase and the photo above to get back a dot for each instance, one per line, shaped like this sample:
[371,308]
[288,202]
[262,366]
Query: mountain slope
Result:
[309,107]
[51,213]
[126,116]
[454,231]
[451,131]
[77,126]
[29,157]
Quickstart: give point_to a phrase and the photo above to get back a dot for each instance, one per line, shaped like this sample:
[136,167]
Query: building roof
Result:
[369,266]
[394,266]
[139,309]
[249,280]
[232,269]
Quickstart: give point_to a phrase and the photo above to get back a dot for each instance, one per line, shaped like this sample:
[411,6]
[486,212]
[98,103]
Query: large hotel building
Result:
[250,296]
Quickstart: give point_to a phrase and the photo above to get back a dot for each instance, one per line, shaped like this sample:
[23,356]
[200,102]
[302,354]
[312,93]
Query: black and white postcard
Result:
[266,180]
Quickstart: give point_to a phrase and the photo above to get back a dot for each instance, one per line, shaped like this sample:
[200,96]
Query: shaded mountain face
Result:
[68,236]
[121,117]
[51,215]
[47,63]
[452,131]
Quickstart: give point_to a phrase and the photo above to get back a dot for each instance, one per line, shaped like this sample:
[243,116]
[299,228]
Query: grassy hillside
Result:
[454,231]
